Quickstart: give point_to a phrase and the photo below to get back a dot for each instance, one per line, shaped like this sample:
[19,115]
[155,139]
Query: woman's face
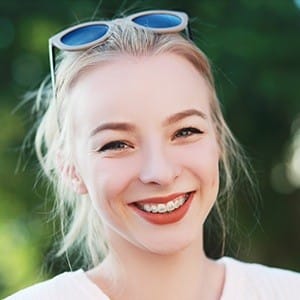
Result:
[146,150]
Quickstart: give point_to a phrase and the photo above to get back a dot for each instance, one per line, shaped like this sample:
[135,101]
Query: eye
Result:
[114,146]
[186,132]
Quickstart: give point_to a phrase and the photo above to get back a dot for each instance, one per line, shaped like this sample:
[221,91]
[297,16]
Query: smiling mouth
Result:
[160,211]
[164,208]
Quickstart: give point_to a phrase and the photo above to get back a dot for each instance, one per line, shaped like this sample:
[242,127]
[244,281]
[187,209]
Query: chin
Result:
[168,246]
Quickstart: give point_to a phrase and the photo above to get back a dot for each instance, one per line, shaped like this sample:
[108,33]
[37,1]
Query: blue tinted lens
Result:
[158,21]
[84,35]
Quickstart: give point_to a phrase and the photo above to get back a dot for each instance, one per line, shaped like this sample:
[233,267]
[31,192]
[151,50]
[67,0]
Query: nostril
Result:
[158,166]
[159,175]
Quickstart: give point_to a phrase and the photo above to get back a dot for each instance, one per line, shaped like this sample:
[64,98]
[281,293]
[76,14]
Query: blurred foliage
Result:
[254,47]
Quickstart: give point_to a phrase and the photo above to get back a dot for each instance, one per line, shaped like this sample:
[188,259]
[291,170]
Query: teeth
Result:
[147,207]
[164,208]
[170,206]
[154,208]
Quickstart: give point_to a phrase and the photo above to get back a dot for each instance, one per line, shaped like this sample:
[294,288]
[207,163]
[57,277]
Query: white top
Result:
[242,281]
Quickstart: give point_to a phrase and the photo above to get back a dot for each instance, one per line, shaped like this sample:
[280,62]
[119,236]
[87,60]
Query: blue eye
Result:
[186,132]
[114,146]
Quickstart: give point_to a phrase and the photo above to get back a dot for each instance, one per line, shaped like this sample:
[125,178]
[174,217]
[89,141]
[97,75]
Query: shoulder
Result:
[68,285]
[255,281]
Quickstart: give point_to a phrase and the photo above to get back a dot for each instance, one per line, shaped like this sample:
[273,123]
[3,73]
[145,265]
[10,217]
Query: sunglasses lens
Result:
[84,35]
[157,20]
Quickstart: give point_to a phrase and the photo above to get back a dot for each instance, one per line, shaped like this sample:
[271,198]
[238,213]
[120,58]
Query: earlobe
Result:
[70,176]
[76,181]
[78,186]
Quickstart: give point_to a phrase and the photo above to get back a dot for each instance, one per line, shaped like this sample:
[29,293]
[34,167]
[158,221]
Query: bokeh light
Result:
[297,3]
[293,172]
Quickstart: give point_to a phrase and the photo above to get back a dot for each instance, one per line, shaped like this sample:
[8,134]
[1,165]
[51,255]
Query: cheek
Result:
[205,168]
[107,179]
[202,159]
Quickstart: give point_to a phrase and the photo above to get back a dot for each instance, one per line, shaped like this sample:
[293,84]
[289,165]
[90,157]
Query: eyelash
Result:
[114,146]
[120,145]
[186,132]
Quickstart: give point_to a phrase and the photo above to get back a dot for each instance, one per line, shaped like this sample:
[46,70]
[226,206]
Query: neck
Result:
[137,274]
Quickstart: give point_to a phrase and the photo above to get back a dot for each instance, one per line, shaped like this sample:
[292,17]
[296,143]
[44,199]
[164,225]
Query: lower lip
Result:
[168,217]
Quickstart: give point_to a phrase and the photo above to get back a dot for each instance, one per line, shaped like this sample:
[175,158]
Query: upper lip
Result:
[164,199]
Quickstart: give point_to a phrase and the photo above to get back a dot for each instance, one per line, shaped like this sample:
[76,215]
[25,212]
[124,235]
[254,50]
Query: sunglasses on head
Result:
[86,35]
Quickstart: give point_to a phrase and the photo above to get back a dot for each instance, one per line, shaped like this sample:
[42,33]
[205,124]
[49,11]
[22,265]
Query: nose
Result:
[158,167]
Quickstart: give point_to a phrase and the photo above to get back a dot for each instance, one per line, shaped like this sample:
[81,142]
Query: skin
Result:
[167,145]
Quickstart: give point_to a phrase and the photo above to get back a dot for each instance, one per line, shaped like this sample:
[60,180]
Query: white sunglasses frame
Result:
[55,41]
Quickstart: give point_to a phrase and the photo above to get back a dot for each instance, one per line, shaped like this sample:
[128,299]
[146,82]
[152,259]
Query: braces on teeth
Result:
[164,208]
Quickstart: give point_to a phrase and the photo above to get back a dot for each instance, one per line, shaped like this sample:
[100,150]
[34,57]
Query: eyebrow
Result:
[184,114]
[122,126]
[113,126]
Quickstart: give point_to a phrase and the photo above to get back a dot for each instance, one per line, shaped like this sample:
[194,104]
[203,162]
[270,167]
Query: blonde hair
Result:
[80,225]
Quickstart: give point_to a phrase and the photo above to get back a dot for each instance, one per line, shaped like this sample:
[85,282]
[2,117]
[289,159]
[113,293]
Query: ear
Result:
[77,183]
[70,175]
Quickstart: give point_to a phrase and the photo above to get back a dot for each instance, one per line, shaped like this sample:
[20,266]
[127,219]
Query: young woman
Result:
[135,144]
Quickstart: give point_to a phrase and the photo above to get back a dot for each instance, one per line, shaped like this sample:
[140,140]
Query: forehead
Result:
[127,86]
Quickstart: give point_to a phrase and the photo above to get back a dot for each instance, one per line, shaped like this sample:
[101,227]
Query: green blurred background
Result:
[254,47]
